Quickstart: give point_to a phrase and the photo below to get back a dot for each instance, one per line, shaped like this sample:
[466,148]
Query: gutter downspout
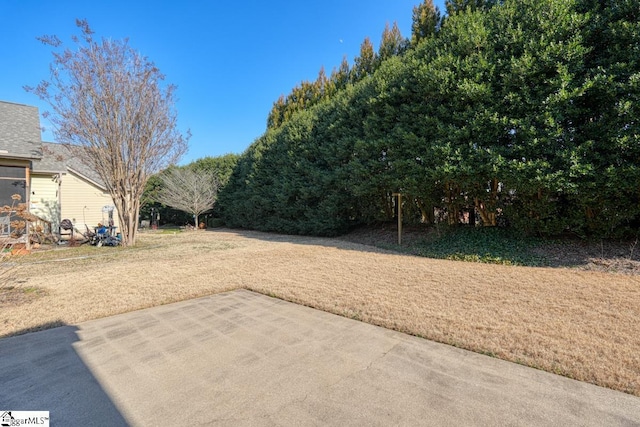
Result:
[27,172]
[59,208]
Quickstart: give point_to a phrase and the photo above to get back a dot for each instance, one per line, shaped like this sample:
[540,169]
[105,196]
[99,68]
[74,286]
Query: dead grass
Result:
[580,324]
[12,296]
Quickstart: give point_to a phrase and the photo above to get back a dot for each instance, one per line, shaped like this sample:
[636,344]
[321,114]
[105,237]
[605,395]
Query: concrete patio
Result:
[241,358]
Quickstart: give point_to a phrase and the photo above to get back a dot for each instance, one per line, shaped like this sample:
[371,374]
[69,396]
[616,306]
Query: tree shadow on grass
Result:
[338,242]
[487,245]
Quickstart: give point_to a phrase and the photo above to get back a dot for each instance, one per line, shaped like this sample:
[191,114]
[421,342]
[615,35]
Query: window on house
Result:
[13,180]
[13,172]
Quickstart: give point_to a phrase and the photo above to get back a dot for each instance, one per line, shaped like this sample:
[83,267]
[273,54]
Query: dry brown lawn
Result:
[581,324]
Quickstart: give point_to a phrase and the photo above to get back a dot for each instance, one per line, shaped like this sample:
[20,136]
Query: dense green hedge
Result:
[526,112]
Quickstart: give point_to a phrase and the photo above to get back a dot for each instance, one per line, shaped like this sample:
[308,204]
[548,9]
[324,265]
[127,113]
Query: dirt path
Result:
[580,324]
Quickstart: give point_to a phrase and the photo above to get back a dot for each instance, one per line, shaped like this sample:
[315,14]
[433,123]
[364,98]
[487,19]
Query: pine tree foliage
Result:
[455,6]
[522,113]
[365,63]
[340,77]
[426,21]
[392,43]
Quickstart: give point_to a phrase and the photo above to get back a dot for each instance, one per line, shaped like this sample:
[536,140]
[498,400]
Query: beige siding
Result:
[82,202]
[44,198]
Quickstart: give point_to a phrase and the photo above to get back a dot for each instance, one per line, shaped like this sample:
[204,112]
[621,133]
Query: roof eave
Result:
[86,178]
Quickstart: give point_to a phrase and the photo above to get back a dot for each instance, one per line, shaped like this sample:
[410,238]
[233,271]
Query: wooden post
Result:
[399,217]
[27,201]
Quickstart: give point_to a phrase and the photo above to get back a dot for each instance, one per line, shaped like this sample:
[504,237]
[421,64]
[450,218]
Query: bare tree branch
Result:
[190,191]
[109,99]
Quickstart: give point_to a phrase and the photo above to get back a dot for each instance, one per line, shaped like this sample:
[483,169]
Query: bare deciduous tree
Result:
[109,100]
[187,190]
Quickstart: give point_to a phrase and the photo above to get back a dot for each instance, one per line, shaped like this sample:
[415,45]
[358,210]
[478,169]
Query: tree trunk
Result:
[453,210]
[488,218]
[128,212]
[389,206]
[487,209]
[426,212]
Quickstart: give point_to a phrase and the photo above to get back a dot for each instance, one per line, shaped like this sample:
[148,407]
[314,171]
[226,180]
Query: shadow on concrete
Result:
[37,328]
[42,371]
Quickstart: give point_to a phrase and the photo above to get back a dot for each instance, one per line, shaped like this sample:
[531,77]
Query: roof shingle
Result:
[19,131]
[58,158]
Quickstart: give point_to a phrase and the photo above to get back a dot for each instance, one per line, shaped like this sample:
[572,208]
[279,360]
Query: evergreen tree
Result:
[322,86]
[527,110]
[392,43]
[455,6]
[340,77]
[276,115]
[365,63]
[220,166]
[426,21]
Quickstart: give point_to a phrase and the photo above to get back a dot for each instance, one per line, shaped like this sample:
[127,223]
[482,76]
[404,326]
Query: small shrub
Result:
[482,244]
[215,222]
[16,216]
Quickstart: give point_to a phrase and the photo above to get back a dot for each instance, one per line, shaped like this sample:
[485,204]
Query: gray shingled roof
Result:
[19,131]
[58,158]
[20,139]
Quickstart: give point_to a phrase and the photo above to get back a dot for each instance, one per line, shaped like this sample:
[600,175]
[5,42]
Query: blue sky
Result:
[230,60]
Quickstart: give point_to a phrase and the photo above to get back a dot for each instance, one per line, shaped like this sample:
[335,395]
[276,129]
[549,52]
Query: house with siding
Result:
[20,145]
[63,187]
[49,177]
